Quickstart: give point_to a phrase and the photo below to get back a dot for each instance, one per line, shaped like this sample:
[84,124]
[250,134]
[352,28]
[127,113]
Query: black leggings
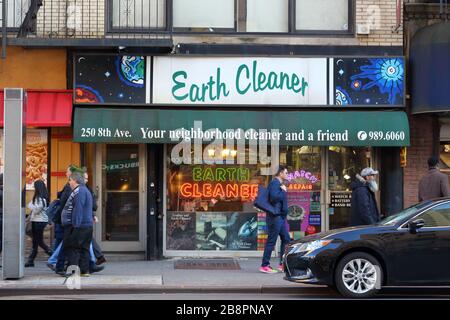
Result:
[37,230]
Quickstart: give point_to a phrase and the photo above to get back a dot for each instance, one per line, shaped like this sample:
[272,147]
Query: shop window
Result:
[37,158]
[210,206]
[444,163]
[344,163]
[137,14]
[267,16]
[322,15]
[204,15]
[16,12]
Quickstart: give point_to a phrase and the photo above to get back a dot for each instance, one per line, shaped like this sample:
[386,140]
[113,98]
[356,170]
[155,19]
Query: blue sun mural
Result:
[370,81]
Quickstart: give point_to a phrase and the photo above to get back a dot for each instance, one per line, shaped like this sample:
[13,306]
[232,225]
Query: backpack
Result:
[52,209]
[262,200]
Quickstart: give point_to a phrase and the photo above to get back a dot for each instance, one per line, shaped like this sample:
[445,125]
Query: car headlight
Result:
[309,246]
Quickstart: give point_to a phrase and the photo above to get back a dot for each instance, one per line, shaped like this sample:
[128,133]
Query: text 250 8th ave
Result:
[226,309]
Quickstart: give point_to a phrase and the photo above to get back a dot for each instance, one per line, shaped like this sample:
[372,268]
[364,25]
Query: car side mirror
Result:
[415,225]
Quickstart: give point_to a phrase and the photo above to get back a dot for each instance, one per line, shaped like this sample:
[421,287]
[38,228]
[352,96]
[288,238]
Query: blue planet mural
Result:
[131,70]
[110,79]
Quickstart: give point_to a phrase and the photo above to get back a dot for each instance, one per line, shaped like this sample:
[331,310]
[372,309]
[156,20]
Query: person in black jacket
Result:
[96,247]
[364,209]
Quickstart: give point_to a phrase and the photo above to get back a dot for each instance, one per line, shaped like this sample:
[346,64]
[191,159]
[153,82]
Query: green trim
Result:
[126,125]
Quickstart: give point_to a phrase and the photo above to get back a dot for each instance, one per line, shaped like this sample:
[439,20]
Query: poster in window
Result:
[2,169]
[262,231]
[242,231]
[180,231]
[298,212]
[211,231]
[36,157]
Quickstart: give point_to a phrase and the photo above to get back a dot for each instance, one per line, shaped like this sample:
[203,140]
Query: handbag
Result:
[262,201]
[52,209]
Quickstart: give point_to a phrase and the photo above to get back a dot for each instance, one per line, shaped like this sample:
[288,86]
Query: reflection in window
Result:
[16,12]
[437,217]
[322,15]
[258,12]
[344,164]
[138,14]
[203,15]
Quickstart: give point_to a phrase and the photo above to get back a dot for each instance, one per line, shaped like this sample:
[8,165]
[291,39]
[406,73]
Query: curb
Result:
[105,289]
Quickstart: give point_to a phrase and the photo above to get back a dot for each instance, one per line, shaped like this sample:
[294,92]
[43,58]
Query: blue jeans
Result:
[58,252]
[59,235]
[276,226]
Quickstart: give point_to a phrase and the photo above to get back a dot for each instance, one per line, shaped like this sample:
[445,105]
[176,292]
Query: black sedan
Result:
[411,248]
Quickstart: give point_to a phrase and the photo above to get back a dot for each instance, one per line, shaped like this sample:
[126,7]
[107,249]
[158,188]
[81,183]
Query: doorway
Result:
[122,197]
[343,163]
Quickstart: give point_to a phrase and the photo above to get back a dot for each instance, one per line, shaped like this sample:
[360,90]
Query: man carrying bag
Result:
[274,203]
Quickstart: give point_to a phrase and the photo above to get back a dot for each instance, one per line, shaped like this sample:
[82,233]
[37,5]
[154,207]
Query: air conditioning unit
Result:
[363,29]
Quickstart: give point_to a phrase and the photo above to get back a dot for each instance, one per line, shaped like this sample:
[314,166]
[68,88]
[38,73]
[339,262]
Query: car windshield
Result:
[405,214]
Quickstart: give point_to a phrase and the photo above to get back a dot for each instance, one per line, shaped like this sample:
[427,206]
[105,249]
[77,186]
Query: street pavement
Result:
[159,275]
[159,280]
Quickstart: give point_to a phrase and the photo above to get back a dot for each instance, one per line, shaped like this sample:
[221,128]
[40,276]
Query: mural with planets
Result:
[369,81]
[109,79]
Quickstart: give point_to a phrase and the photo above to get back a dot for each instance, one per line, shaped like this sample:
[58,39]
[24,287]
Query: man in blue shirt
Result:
[77,221]
[276,221]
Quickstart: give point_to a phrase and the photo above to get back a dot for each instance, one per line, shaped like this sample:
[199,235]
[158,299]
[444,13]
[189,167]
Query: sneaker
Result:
[96,269]
[267,269]
[100,260]
[280,267]
[51,266]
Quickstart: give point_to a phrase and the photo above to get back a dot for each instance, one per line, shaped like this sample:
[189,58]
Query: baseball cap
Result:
[367,172]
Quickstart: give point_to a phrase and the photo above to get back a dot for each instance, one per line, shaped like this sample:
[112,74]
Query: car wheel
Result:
[358,275]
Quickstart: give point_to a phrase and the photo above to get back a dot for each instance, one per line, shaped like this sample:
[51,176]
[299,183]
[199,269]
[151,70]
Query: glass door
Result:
[122,197]
[343,165]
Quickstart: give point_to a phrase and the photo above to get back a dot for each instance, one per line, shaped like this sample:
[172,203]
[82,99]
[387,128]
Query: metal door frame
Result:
[122,246]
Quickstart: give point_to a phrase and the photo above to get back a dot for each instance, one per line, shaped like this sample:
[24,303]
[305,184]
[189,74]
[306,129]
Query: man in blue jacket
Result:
[364,210]
[78,224]
[276,221]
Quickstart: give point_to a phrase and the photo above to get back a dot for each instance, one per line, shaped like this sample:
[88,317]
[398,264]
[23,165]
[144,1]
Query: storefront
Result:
[430,103]
[180,145]
[46,110]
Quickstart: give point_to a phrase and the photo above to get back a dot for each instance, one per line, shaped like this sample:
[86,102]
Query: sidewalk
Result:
[160,276]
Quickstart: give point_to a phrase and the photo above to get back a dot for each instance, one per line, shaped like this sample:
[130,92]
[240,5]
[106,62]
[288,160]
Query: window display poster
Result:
[298,211]
[211,231]
[36,156]
[242,231]
[262,231]
[181,231]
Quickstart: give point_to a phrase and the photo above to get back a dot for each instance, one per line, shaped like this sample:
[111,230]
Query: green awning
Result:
[318,128]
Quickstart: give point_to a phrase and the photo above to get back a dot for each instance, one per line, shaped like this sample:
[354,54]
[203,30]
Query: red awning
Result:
[46,108]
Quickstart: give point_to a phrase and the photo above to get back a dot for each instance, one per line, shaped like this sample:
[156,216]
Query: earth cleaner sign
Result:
[262,81]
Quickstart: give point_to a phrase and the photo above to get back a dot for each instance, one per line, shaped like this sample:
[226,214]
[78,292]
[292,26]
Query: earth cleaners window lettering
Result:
[240,80]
